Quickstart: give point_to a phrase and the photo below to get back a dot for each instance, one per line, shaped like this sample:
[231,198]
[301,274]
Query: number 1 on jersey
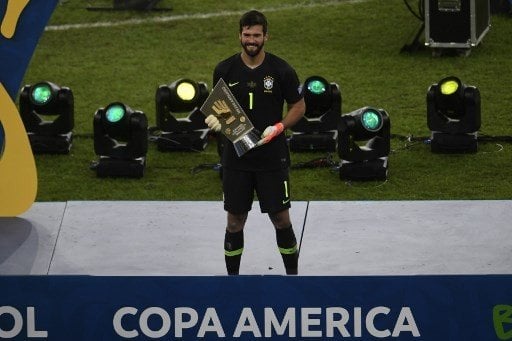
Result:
[251,100]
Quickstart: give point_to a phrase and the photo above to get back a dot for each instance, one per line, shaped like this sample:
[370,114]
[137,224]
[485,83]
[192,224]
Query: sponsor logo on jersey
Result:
[251,85]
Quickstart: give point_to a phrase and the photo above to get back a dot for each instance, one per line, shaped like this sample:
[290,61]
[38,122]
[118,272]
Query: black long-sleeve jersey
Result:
[261,92]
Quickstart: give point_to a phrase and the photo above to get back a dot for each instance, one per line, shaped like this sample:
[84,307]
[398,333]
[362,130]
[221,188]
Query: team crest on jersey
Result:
[268,83]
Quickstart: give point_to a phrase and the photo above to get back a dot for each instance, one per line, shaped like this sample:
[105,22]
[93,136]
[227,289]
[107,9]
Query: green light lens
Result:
[449,87]
[186,91]
[41,94]
[115,113]
[316,87]
[371,120]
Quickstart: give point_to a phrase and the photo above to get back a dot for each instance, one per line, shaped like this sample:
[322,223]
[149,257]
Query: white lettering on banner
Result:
[164,316]
[18,323]
[271,322]
[210,322]
[118,323]
[216,327]
[190,322]
[405,323]
[370,317]
[308,321]
[251,327]
[331,322]
[315,322]
[358,328]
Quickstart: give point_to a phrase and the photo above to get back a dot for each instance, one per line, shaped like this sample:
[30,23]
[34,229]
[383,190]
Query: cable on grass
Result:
[206,166]
[154,135]
[420,14]
[316,163]
[360,184]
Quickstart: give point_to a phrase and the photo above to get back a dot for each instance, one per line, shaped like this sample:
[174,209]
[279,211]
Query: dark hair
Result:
[252,18]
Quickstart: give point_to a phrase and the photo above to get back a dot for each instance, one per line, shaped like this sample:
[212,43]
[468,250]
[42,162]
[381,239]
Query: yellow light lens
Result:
[449,87]
[186,91]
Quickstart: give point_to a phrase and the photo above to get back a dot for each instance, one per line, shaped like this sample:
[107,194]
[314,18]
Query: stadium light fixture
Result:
[47,112]
[318,128]
[364,144]
[178,118]
[120,141]
[453,116]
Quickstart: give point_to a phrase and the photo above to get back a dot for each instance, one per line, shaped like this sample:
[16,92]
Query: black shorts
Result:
[271,187]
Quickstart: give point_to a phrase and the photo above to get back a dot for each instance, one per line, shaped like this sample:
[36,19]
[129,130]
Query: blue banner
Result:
[465,307]
[22,22]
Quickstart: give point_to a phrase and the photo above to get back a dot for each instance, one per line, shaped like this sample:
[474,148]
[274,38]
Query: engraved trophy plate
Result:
[235,124]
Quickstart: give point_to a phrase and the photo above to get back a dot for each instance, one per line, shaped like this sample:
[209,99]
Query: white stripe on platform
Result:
[164,19]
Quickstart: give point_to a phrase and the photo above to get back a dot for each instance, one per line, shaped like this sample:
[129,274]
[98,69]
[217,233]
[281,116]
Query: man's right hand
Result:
[213,123]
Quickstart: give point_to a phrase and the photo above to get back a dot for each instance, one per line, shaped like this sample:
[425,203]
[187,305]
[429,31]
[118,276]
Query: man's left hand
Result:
[270,132]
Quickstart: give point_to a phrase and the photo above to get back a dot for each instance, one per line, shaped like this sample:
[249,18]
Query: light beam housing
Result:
[120,141]
[178,117]
[318,128]
[47,112]
[364,144]
[453,116]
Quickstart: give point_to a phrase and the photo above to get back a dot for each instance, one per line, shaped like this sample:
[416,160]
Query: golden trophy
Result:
[235,124]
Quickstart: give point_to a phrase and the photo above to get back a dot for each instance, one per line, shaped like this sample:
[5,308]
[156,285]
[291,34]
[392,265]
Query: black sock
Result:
[233,248]
[288,248]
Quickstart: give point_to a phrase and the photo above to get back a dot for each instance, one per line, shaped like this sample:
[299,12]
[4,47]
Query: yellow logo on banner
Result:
[12,14]
[18,175]
[502,318]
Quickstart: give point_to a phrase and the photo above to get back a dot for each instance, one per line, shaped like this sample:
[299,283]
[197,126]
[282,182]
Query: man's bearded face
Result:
[252,39]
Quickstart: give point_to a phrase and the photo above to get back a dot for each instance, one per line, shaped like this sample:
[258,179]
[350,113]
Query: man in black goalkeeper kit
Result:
[261,83]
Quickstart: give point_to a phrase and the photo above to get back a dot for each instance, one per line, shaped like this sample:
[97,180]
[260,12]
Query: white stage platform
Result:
[339,238]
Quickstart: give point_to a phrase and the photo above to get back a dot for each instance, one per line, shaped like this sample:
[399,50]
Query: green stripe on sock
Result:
[233,253]
[288,251]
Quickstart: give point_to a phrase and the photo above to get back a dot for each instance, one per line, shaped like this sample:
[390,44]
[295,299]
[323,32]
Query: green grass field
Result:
[353,43]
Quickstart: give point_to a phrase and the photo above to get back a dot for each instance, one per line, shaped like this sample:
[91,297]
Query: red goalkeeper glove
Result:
[270,133]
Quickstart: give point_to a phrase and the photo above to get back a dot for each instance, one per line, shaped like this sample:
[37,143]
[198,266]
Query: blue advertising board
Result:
[464,307]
